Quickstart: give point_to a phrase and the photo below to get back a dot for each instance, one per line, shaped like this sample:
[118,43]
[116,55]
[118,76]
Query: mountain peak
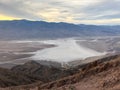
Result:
[25,29]
[31,63]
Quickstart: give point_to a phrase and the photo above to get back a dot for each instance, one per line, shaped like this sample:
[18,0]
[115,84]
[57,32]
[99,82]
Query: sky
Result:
[71,11]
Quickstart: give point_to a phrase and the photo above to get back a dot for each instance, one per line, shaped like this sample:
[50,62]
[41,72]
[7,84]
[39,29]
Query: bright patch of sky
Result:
[71,11]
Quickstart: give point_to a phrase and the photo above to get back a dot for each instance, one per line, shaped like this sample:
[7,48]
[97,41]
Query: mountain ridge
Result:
[105,71]
[24,29]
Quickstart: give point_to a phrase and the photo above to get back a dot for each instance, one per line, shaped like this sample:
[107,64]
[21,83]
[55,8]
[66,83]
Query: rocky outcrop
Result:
[10,78]
[102,74]
[42,72]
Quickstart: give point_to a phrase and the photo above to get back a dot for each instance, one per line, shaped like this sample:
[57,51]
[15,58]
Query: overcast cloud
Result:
[72,11]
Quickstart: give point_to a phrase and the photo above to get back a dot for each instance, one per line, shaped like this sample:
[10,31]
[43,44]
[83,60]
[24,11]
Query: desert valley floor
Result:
[67,50]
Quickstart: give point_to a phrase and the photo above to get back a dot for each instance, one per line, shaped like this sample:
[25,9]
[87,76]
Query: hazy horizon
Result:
[62,22]
[94,12]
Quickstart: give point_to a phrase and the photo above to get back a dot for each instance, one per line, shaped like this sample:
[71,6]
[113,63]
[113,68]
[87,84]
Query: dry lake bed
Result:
[60,50]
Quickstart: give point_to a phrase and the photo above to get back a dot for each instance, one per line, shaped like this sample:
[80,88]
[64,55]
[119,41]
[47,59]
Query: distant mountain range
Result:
[24,29]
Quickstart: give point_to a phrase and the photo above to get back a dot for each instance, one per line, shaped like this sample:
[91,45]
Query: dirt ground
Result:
[17,52]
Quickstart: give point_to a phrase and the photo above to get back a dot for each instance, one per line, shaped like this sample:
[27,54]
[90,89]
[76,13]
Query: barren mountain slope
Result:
[102,74]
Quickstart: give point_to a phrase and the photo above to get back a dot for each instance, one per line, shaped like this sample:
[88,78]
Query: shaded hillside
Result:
[10,78]
[42,72]
[31,72]
[102,74]
[24,29]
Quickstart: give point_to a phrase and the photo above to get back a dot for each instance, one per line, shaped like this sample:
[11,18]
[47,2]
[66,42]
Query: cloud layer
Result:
[72,11]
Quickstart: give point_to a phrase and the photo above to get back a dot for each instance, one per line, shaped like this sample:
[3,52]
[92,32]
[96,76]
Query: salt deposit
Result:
[66,50]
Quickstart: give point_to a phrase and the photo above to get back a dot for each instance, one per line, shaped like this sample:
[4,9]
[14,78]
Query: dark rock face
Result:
[31,72]
[10,78]
[42,72]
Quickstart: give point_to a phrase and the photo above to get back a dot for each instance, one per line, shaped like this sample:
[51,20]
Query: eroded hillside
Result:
[102,74]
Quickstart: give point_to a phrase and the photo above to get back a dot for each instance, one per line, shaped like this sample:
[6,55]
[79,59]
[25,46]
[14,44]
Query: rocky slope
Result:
[97,75]
[31,72]
[102,74]
[10,78]
[42,72]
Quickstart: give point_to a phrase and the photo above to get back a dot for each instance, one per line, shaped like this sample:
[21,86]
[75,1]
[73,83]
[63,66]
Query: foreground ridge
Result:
[102,74]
